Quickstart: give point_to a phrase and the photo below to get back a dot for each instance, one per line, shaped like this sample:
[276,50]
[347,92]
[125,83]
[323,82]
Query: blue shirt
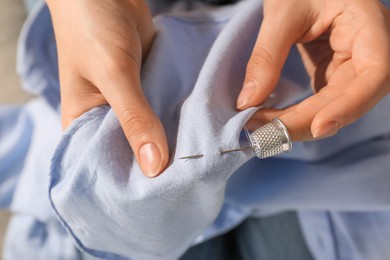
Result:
[191,78]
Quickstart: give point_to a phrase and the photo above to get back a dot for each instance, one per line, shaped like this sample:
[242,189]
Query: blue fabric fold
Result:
[14,132]
[192,88]
[37,56]
[28,137]
[168,212]
[191,78]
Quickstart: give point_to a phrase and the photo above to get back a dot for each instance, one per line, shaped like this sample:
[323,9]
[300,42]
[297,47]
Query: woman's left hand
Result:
[345,47]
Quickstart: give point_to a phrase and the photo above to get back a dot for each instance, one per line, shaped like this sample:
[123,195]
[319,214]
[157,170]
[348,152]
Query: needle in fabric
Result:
[236,150]
[198,156]
[269,140]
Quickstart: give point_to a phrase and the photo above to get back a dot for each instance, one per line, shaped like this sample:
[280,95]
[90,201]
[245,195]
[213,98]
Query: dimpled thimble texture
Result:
[270,140]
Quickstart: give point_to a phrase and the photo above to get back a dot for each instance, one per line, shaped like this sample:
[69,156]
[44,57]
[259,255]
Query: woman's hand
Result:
[345,46]
[101,45]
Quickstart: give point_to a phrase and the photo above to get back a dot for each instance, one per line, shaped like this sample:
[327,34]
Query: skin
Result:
[345,46]
[101,45]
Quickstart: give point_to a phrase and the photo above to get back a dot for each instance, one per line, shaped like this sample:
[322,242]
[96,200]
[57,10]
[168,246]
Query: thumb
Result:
[280,29]
[141,126]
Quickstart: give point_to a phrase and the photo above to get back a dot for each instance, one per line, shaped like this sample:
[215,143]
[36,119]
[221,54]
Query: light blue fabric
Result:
[95,179]
[28,137]
[29,238]
[347,235]
[12,159]
[191,78]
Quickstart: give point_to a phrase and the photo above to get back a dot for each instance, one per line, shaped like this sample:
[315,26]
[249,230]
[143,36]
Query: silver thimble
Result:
[270,139]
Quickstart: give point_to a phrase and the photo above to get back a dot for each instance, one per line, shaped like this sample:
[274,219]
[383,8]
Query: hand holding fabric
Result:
[101,45]
[345,47]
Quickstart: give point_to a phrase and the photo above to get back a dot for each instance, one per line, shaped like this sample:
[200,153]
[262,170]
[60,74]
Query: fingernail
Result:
[327,130]
[150,159]
[246,94]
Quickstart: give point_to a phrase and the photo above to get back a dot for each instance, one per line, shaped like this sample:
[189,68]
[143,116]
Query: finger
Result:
[141,126]
[273,44]
[370,55]
[297,118]
[334,107]
[360,96]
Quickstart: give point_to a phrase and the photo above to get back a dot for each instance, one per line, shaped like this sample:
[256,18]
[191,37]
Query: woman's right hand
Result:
[101,45]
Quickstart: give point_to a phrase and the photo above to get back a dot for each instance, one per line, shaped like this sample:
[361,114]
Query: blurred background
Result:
[12,16]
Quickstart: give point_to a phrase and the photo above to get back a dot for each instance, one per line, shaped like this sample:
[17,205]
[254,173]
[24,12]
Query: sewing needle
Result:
[222,152]
[192,156]
[236,150]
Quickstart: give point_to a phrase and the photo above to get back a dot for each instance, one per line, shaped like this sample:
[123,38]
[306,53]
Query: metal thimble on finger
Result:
[271,139]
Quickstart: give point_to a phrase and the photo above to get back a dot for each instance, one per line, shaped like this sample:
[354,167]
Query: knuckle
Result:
[261,58]
[349,119]
[305,132]
[358,107]
[301,131]
[300,110]
[135,125]
[261,61]
[121,65]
